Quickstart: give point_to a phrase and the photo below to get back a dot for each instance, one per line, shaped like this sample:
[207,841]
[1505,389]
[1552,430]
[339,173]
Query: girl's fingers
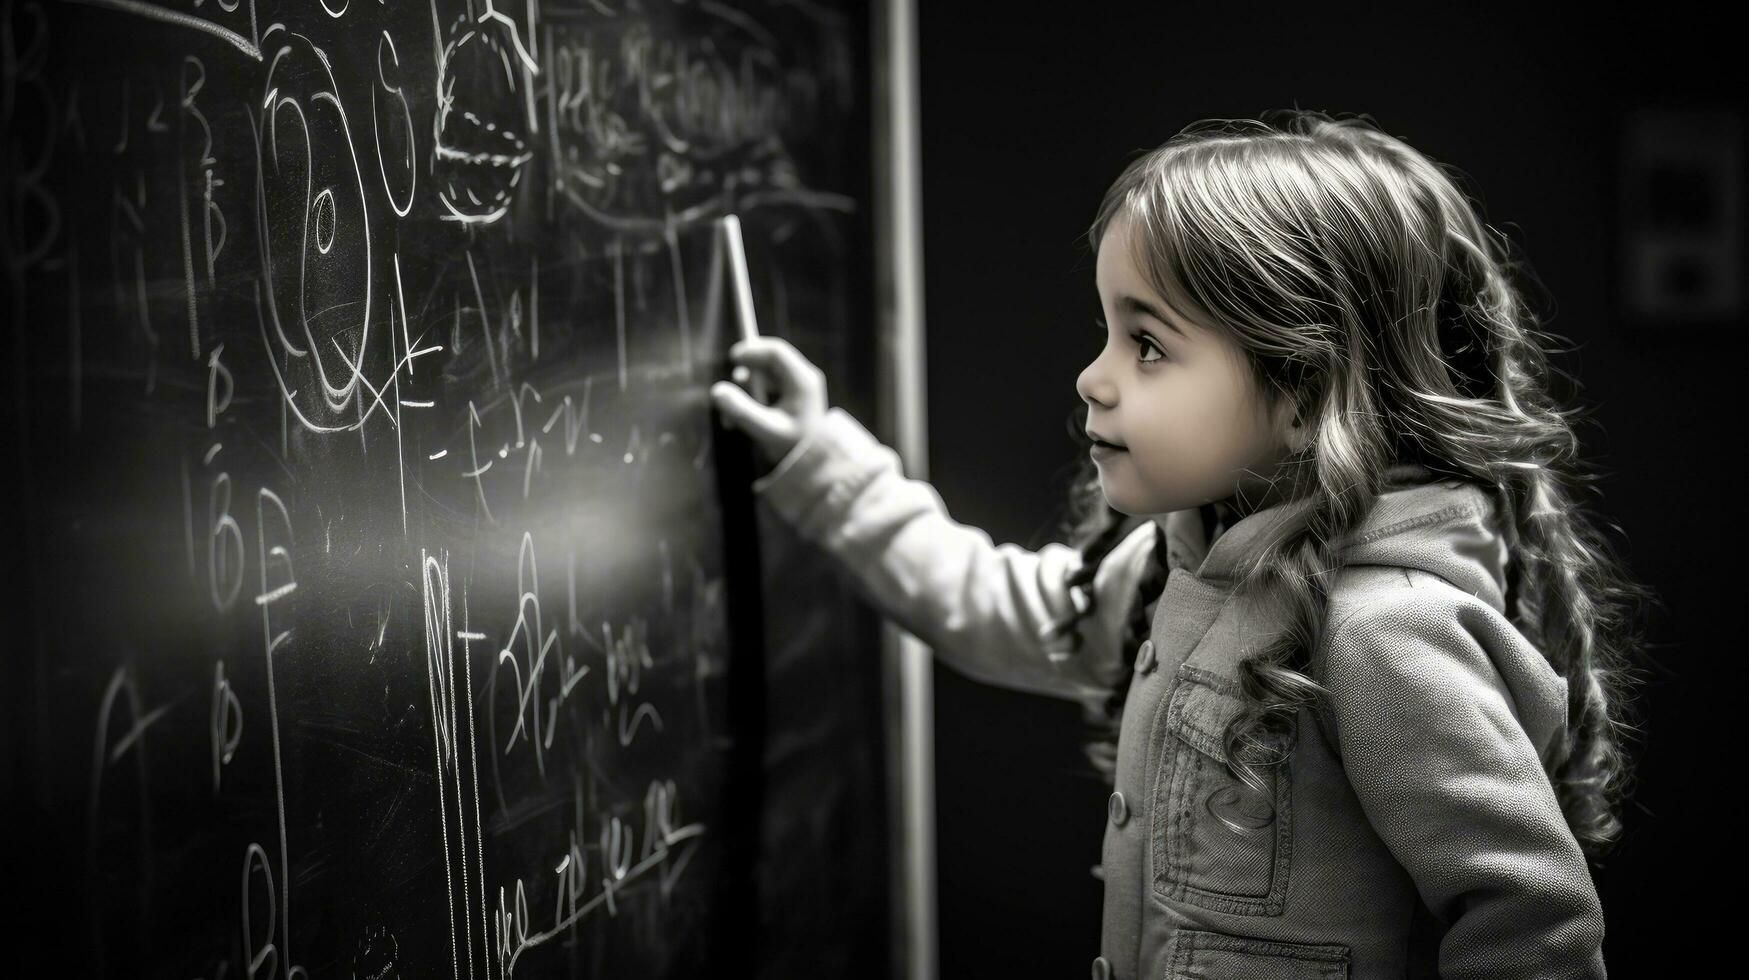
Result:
[738,410]
[776,354]
[758,350]
[799,369]
[741,411]
[798,387]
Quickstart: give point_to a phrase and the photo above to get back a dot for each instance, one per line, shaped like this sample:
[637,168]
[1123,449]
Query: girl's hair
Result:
[1361,283]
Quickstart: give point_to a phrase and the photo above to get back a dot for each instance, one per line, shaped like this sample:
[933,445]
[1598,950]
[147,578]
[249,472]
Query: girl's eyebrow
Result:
[1131,304]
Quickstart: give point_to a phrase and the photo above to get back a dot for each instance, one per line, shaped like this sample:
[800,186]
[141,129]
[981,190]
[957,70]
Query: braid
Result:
[1107,533]
[1107,717]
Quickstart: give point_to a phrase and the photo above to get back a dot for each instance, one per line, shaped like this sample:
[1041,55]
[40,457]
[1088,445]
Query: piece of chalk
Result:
[730,226]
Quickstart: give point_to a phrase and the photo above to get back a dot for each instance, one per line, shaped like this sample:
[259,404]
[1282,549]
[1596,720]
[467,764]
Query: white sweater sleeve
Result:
[979,605]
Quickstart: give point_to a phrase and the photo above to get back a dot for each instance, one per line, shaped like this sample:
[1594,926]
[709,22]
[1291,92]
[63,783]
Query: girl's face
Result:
[1179,398]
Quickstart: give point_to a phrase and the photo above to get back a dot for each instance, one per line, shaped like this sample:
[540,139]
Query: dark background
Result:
[1025,121]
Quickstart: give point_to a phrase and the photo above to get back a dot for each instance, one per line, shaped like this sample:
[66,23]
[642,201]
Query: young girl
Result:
[1364,658]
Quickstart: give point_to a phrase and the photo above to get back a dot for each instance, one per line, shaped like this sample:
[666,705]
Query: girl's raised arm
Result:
[981,606]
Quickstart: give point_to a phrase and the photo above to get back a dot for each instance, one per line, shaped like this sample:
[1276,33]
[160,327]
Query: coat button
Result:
[1145,657]
[1101,968]
[1120,811]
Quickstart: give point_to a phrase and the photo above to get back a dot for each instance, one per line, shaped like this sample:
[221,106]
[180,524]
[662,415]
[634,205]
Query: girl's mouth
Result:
[1101,450]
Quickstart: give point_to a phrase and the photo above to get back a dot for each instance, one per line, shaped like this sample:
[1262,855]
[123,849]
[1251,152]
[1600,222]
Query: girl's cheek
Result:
[1156,479]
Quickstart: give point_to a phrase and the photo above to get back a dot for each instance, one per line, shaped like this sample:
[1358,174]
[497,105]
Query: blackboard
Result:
[394,605]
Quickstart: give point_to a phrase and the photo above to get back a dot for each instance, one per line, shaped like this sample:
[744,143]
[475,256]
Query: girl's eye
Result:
[1144,341]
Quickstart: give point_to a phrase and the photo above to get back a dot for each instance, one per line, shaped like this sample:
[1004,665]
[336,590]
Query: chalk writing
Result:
[382,563]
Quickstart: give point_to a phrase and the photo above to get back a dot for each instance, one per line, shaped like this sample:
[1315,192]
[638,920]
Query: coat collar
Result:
[1447,527]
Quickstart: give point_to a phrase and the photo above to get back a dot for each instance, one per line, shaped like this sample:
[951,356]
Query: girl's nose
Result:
[1093,388]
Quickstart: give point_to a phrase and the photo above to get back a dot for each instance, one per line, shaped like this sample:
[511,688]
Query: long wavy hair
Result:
[1361,282]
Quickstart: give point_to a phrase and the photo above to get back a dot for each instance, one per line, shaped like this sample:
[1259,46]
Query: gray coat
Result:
[1412,832]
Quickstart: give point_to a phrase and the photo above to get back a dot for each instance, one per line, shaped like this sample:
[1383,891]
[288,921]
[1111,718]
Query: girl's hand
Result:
[797,387]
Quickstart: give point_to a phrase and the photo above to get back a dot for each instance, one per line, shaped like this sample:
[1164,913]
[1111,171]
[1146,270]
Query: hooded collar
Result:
[1449,528]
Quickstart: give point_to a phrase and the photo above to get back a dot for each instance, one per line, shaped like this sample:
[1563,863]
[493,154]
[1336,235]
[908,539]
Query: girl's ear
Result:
[1299,435]
[1291,424]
